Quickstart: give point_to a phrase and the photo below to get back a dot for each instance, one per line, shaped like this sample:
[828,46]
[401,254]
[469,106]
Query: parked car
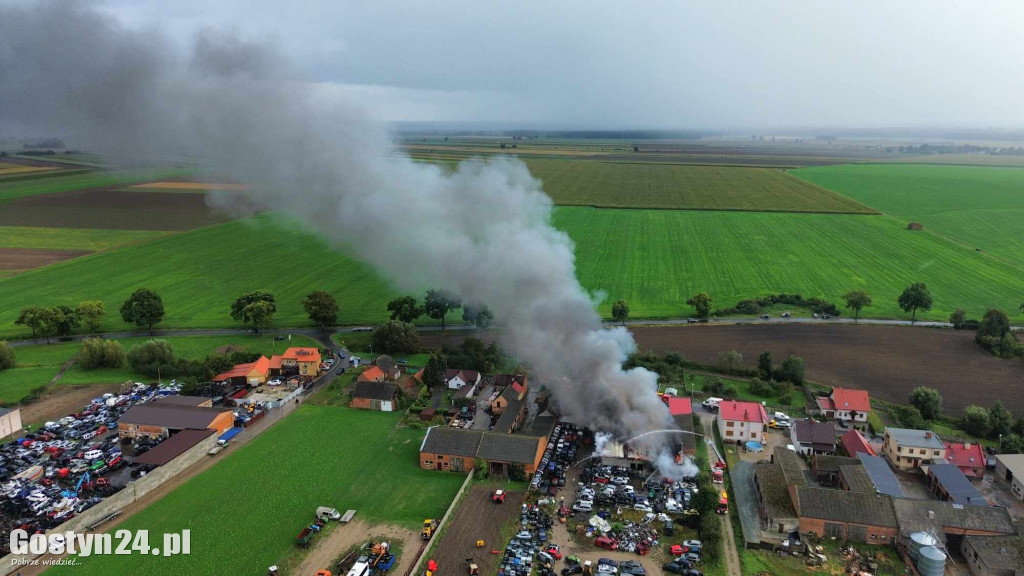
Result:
[785,314]
[606,543]
[765,317]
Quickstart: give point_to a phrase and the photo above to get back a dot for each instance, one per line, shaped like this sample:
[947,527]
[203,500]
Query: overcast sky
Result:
[671,64]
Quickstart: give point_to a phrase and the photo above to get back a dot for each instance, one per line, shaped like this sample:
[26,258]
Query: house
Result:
[947,482]
[10,421]
[969,458]
[513,410]
[1010,467]
[372,374]
[392,371]
[375,395]
[681,410]
[455,379]
[511,386]
[845,404]
[160,420]
[249,374]
[993,555]
[301,361]
[741,421]
[908,449]
[853,443]
[813,437]
[458,450]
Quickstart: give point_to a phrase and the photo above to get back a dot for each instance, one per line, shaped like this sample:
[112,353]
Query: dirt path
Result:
[60,401]
[732,557]
[357,532]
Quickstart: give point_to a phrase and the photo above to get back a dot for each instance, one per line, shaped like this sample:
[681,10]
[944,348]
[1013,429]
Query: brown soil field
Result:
[477,518]
[173,185]
[28,258]
[104,208]
[887,361]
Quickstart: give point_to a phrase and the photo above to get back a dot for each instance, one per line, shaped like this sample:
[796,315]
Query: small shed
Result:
[428,414]
[915,226]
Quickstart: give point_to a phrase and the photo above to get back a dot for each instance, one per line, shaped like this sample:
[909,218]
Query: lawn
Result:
[359,342]
[71,238]
[646,185]
[38,364]
[979,207]
[656,259]
[244,512]
[58,183]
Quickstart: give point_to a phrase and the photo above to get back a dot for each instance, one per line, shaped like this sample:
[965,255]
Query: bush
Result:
[100,353]
[394,337]
[152,358]
[762,388]
[715,386]
[975,421]
[792,370]
[731,360]
[7,357]
[927,401]
[909,417]
[730,391]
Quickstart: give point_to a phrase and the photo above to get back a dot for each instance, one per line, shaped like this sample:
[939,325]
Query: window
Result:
[923,452]
[728,432]
[753,434]
[935,453]
[729,424]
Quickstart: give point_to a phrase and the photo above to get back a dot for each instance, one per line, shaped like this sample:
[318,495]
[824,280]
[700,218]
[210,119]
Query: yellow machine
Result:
[429,526]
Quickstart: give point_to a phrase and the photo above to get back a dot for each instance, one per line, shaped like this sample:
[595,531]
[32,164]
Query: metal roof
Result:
[882,476]
[960,489]
[915,438]
[173,447]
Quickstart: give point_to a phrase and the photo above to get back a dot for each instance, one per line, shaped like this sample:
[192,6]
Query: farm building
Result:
[458,450]
[455,379]
[856,516]
[993,555]
[915,226]
[813,437]
[173,447]
[947,482]
[372,374]
[845,404]
[249,374]
[907,448]
[883,479]
[951,522]
[854,442]
[389,367]
[10,421]
[301,361]
[969,458]
[380,396]
[774,504]
[826,467]
[180,400]
[741,421]
[512,387]
[161,420]
[510,405]
[1010,467]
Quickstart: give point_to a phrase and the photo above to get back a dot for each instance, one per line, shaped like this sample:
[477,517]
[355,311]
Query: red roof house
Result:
[742,411]
[854,442]
[741,421]
[252,373]
[679,406]
[969,458]
[372,374]
[846,404]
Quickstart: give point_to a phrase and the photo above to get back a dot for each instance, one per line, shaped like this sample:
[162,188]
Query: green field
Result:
[78,181]
[71,238]
[980,207]
[640,185]
[38,364]
[245,512]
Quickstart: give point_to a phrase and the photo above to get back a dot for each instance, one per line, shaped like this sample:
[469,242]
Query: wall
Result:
[10,423]
[430,461]
[439,533]
[817,526]
[132,492]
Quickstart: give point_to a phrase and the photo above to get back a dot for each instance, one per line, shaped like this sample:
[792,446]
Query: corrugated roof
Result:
[374,390]
[999,552]
[171,416]
[179,400]
[856,478]
[960,489]
[452,441]
[173,447]
[512,448]
[882,476]
[508,416]
[914,516]
[843,506]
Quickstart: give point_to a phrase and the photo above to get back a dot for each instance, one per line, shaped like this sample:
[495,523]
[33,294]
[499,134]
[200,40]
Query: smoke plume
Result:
[483,230]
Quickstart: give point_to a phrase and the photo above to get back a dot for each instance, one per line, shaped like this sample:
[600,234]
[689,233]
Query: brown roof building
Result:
[161,420]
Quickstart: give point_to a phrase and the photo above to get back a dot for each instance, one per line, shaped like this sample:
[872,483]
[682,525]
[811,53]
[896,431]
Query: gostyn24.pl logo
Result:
[122,542]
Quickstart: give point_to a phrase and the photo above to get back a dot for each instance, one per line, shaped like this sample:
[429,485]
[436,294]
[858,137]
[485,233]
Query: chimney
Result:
[967,445]
[931,515]
[928,434]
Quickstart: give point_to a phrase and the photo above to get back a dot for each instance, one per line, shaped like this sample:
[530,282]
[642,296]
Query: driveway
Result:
[742,478]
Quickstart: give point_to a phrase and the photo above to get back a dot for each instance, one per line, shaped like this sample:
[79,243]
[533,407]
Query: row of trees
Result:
[996,423]
[437,304]
[61,320]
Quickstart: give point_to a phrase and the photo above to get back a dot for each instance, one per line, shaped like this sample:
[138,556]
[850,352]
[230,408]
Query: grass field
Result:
[59,183]
[70,238]
[257,499]
[980,207]
[38,364]
[645,185]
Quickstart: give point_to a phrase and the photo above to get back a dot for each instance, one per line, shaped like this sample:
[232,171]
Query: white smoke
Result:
[482,230]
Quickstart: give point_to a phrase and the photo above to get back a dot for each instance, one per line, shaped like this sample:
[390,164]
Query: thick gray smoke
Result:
[483,231]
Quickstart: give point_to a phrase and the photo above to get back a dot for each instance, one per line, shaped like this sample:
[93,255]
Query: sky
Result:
[675,64]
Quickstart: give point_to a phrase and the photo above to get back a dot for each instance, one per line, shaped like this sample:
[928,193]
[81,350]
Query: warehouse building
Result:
[160,420]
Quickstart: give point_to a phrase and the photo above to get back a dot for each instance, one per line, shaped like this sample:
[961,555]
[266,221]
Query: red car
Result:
[601,480]
[498,496]
[554,551]
[607,543]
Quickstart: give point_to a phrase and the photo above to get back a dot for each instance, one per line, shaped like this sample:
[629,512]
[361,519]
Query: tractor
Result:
[498,496]
[472,568]
[429,526]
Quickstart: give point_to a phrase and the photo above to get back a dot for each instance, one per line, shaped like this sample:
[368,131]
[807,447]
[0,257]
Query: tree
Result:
[1000,420]
[620,311]
[731,360]
[792,370]
[33,317]
[100,353]
[152,358]
[143,308]
[477,314]
[393,337]
[764,365]
[239,305]
[909,417]
[472,354]
[433,372]
[7,357]
[994,324]
[65,319]
[958,318]
[258,315]
[975,421]
[405,309]
[91,313]
[439,302]
[322,308]
[927,401]
[1011,444]
[857,300]
[701,302]
[915,297]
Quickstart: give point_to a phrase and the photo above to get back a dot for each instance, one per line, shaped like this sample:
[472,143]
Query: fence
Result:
[87,520]
[415,569]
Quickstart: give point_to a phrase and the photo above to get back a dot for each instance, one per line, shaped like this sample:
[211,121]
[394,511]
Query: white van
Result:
[711,403]
[327,513]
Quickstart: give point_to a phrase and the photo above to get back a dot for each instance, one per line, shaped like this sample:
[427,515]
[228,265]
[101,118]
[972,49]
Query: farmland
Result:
[70,238]
[61,183]
[646,185]
[888,361]
[359,461]
[979,207]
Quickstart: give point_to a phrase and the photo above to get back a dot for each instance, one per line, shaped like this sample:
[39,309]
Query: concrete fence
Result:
[418,565]
[135,490]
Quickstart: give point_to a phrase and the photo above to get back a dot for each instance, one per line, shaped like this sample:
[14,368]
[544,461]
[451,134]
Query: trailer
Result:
[347,517]
[225,437]
[304,537]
